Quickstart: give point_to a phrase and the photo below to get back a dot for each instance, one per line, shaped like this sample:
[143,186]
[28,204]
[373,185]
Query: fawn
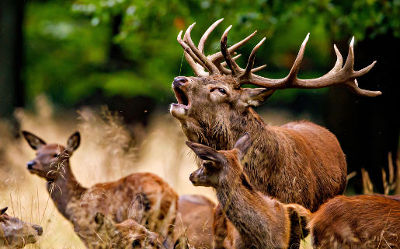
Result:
[288,162]
[261,221]
[127,234]
[15,233]
[144,197]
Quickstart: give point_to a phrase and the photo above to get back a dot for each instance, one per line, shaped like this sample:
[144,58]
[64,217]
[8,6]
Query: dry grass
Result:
[107,153]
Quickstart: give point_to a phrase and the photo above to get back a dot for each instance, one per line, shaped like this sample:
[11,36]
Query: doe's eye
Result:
[56,155]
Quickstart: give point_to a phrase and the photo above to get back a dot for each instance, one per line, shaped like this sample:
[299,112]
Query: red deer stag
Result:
[144,197]
[14,233]
[299,162]
[261,221]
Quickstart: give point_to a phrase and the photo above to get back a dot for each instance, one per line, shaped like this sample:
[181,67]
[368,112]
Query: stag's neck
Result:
[222,134]
[253,215]
[65,190]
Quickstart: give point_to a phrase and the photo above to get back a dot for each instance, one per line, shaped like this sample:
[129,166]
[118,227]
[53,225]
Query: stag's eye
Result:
[220,90]
[56,155]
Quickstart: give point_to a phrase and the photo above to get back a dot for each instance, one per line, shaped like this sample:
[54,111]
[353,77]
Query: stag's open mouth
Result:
[181,97]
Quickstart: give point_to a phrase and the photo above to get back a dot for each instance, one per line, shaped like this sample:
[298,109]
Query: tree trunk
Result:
[11,56]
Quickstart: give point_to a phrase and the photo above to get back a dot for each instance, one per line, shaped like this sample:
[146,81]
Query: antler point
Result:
[352,42]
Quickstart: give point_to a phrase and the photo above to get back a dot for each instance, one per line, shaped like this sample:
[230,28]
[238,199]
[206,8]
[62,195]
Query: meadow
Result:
[109,150]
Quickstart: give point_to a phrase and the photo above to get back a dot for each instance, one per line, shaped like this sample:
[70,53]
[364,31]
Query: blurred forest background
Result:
[124,54]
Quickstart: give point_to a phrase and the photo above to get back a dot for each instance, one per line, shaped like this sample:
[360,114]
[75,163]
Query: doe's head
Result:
[51,159]
[15,233]
[217,165]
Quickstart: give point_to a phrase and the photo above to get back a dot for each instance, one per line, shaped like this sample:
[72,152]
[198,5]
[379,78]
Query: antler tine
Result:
[191,58]
[337,75]
[256,69]
[218,57]
[250,61]
[208,64]
[349,64]
[297,62]
[203,39]
[233,58]
[227,55]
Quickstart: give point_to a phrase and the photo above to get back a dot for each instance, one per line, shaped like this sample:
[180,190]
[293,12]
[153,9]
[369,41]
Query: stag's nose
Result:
[179,81]
[30,164]
[38,229]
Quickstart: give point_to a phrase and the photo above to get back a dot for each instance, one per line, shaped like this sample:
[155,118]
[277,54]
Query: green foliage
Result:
[69,43]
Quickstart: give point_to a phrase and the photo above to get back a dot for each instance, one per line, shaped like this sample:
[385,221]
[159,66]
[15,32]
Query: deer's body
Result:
[15,233]
[299,162]
[365,221]
[194,221]
[143,197]
[261,221]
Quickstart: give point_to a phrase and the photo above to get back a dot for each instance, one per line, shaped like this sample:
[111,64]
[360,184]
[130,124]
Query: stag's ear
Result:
[3,211]
[73,141]
[34,141]
[242,145]
[205,152]
[255,96]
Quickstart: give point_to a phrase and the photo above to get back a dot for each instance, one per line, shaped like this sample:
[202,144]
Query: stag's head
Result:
[14,233]
[216,94]
[51,160]
[217,166]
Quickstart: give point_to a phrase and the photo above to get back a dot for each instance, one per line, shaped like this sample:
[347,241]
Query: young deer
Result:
[127,234]
[144,197]
[261,221]
[365,221]
[299,162]
[14,233]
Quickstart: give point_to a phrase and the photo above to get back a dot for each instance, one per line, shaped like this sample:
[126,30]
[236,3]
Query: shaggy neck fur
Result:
[262,222]
[65,189]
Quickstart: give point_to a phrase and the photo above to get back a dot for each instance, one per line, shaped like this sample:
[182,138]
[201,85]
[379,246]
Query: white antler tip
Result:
[352,42]
[306,39]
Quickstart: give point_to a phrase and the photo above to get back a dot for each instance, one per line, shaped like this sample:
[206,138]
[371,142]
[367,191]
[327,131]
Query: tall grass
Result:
[108,151]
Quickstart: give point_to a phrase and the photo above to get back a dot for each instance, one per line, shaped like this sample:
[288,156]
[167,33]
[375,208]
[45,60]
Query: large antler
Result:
[215,64]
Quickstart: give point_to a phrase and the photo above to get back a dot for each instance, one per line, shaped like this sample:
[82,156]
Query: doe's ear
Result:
[255,96]
[74,141]
[205,152]
[34,141]
[3,211]
[243,144]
